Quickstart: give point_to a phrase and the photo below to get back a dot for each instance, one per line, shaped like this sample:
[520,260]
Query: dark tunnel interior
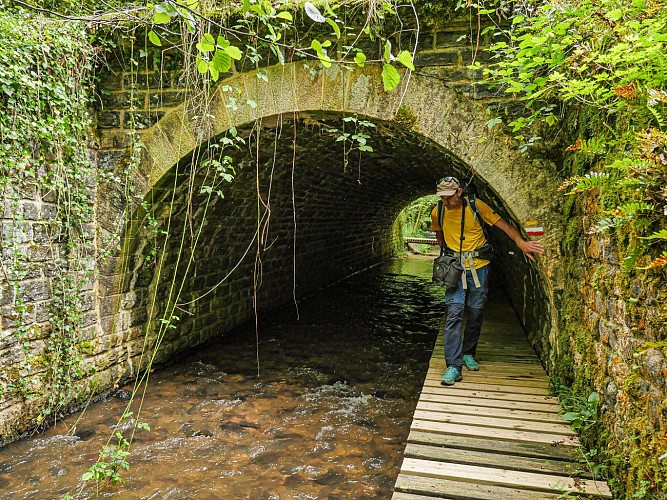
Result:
[304,210]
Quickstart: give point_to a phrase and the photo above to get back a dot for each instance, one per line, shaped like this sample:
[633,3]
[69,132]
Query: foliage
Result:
[581,413]
[608,56]
[416,217]
[44,128]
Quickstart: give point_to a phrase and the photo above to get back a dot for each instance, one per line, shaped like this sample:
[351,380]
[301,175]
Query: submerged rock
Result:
[84,434]
[329,478]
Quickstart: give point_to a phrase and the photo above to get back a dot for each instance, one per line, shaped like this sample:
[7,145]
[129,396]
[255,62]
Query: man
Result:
[472,291]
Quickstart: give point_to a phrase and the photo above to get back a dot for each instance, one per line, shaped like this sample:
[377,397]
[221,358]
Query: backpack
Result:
[469,197]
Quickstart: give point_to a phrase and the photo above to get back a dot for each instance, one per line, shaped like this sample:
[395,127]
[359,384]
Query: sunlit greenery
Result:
[604,58]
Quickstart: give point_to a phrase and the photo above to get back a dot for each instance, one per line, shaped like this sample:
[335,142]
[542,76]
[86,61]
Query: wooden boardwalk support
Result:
[497,434]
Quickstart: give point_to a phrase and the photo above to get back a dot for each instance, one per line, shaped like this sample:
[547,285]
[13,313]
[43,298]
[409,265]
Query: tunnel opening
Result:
[230,232]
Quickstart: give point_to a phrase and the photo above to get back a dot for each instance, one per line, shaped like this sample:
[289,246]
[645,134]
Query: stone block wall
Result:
[36,261]
[613,341]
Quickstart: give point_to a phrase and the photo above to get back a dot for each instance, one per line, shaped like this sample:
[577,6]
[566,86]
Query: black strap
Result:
[472,201]
[463,225]
[441,212]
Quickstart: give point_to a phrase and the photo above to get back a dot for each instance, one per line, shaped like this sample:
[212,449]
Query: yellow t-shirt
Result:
[474,235]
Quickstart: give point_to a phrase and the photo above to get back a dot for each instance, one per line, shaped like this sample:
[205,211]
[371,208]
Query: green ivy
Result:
[45,69]
[607,56]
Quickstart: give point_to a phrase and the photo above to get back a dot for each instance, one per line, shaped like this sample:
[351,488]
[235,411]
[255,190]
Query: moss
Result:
[573,231]
[404,117]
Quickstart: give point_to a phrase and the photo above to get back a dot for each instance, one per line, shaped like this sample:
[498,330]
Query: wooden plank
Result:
[488,459]
[433,380]
[478,392]
[496,435]
[517,448]
[465,429]
[501,369]
[484,377]
[495,378]
[464,399]
[446,488]
[398,495]
[504,477]
[466,409]
[497,422]
[506,365]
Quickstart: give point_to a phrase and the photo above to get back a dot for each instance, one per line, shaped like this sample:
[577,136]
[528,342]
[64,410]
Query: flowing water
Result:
[327,416]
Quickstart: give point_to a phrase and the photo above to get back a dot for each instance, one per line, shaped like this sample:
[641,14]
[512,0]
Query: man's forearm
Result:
[527,247]
[510,230]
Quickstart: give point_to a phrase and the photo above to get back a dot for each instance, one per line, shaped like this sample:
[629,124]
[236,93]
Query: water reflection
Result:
[327,417]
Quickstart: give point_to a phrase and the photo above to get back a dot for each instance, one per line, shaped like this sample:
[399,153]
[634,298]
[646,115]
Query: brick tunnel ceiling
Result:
[344,213]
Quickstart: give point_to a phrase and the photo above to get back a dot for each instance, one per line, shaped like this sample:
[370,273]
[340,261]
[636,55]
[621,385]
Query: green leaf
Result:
[570,416]
[222,42]
[594,398]
[390,77]
[493,122]
[155,40]
[335,27]
[360,59]
[206,44]
[614,15]
[221,61]
[161,18]
[658,235]
[285,15]
[257,9]
[233,52]
[246,6]
[202,66]
[405,58]
[387,51]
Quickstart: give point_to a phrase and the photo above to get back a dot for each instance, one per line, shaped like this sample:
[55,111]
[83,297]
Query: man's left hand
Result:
[530,247]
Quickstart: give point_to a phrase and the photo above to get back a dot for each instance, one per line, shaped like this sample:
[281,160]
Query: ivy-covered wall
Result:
[47,221]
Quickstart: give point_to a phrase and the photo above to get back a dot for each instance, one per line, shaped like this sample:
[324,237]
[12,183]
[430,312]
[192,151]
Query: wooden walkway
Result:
[496,434]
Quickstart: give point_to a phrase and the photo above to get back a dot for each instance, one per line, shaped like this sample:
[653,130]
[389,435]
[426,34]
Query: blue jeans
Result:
[458,300]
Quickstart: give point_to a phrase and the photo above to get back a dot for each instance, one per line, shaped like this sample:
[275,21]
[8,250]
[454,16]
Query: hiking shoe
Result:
[470,362]
[452,374]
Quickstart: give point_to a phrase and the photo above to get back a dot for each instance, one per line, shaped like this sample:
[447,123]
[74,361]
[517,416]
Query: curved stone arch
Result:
[451,124]
[454,122]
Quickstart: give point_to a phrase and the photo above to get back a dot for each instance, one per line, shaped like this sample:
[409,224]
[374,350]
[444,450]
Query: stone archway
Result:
[423,133]
[454,122]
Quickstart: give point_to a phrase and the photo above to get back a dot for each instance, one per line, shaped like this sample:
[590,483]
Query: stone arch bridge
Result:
[303,210]
[310,211]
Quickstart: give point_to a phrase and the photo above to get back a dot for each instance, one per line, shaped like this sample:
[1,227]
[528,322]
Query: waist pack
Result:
[447,270]
[485,252]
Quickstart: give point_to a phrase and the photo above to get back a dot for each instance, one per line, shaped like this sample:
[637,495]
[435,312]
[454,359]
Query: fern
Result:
[632,208]
[630,261]
[608,223]
[658,235]
[658,116]
[591,180]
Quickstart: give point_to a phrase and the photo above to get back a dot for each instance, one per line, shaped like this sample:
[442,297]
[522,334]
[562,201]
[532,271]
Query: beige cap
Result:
[447,186]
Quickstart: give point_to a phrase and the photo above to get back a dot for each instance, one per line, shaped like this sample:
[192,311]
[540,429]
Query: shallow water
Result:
[327,416]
